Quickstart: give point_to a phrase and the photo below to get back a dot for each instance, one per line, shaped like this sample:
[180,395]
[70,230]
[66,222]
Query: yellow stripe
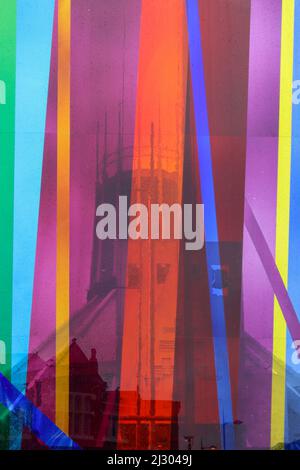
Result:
[63,216]
[282,222]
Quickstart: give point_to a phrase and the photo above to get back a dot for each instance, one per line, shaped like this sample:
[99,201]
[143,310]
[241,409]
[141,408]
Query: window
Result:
[81,415]
[143,436]
[2,92]
[2,353]
[134,276]
[162,273]
[128,435]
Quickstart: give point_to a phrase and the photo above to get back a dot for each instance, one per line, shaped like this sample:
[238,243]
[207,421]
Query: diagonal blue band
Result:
[31,417]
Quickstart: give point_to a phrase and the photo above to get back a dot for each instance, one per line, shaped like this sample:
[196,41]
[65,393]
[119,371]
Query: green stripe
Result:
[7,138]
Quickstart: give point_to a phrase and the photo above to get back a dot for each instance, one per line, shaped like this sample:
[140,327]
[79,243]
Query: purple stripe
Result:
[260,191]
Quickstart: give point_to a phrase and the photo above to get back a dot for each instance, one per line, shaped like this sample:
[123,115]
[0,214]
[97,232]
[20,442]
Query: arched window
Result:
[2,352]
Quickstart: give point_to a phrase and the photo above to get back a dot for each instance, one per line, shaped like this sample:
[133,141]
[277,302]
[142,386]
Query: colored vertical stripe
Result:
[43,312]
[282,218]
[292,429]
[149,315]
[260,195]
[211,229]
[225,46]
[7,126]
[63,215]
[32,75]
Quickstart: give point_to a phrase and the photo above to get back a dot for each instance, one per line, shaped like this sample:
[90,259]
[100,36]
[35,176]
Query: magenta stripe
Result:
[260,191]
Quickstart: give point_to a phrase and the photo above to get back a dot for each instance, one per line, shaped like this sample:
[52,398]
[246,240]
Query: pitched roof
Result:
[77,356]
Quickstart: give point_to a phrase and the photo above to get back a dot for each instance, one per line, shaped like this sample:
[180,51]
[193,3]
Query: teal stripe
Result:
[7,123]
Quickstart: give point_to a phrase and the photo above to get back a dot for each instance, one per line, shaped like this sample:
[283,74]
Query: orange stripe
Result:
[150,309]
[63,216]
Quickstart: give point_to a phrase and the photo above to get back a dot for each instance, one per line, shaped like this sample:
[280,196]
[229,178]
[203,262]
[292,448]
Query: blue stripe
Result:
[292,429]
[34,39]
[31,417]
[211,229]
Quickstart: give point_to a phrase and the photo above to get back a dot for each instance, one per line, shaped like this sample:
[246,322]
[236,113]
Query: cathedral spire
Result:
[105,154]
[120,138]
[97,153]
